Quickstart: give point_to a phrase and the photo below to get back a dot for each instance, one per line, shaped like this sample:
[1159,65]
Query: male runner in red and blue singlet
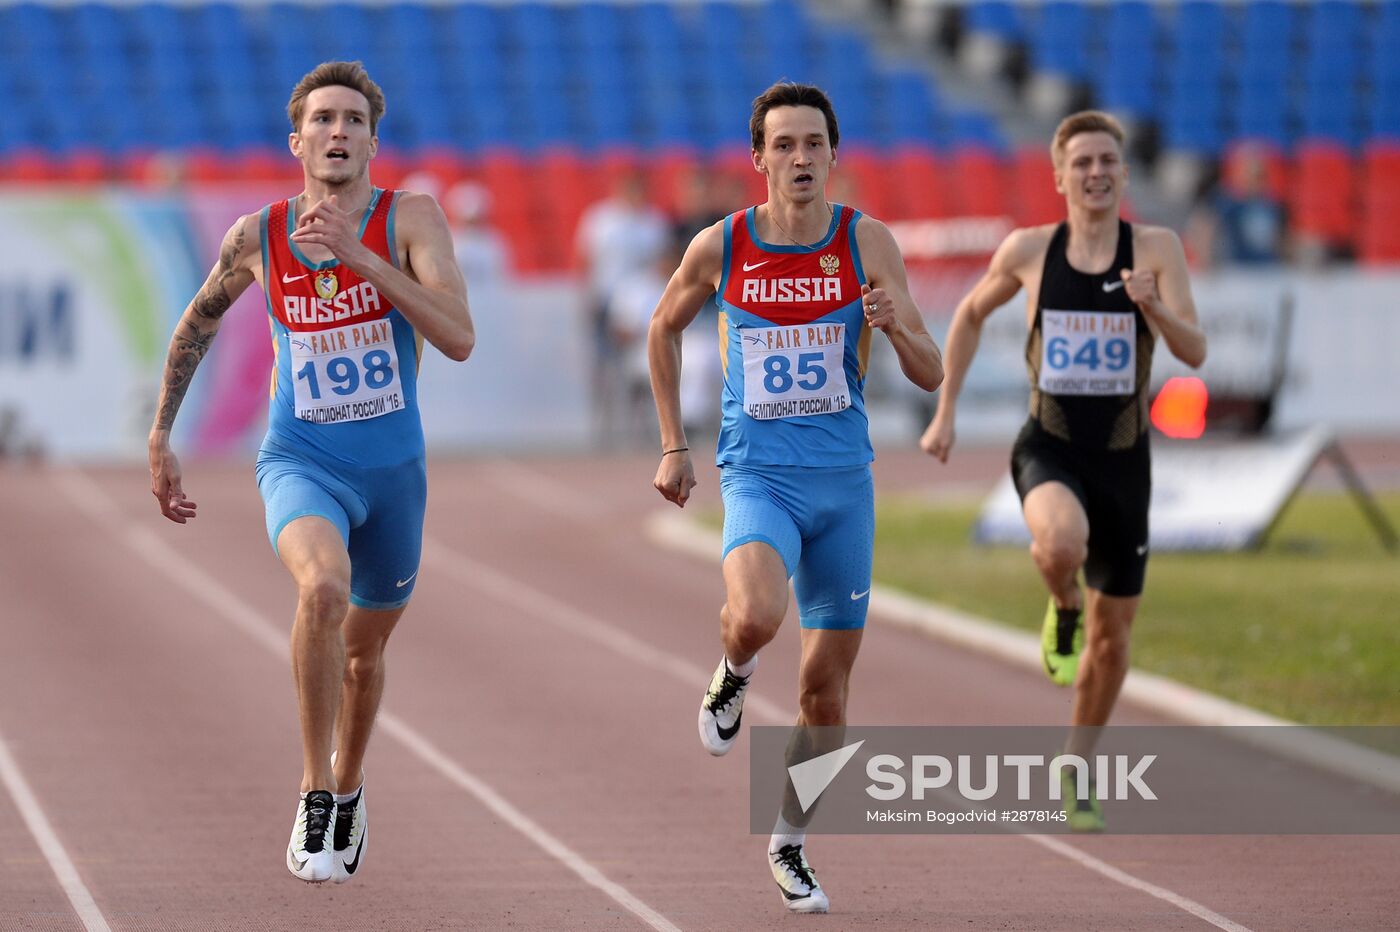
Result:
[356,278]
[802,284]
[1099,292]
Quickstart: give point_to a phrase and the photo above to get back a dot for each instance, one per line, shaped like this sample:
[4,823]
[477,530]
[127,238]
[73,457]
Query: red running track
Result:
[537,765]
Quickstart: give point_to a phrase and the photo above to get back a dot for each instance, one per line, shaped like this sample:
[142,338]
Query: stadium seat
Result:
[925,182]
[1034,198]
[1380,200]
[981,185]
[1322,193]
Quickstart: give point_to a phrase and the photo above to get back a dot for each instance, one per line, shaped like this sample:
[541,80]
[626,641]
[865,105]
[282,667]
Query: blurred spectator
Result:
[423,181]
[701,203]
[617,237]
[1245,223]
[629,315]
[481,250]
[634,301]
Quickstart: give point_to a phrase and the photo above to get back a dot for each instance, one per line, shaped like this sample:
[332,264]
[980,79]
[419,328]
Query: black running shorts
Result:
[1115,488]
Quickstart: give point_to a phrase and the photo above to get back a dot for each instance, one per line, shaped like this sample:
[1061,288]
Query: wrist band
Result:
[676,450]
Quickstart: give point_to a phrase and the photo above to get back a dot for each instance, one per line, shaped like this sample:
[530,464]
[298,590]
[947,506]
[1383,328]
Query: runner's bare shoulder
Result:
[1024,248]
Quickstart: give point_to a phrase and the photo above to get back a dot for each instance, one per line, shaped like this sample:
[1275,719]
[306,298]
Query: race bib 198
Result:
[1088,353]
[350,373]
[795,371]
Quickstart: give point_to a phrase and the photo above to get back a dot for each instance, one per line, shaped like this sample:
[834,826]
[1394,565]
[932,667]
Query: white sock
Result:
[785,834]
[742,669]
[347,797]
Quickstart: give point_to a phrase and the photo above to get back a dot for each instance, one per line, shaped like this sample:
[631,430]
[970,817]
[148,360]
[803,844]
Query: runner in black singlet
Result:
[1099,293]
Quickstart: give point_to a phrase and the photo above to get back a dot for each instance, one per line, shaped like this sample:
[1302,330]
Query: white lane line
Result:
[54,853]
[1136,883]
[174,567]
[510,591]
[505,588]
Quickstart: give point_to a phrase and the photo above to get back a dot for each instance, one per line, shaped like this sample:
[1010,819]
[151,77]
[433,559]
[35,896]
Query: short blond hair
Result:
[349,74]
[1085,121]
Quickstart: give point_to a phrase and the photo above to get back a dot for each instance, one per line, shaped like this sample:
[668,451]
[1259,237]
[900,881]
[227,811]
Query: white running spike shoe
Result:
[309,854]
[797,881]
[351,832]
[722,708]
[351,836]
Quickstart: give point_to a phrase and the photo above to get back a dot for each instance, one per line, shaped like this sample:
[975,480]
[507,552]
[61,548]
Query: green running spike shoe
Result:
[1061,640]
[1082,815]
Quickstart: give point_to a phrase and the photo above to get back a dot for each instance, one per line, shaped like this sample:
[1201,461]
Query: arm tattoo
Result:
[191,340]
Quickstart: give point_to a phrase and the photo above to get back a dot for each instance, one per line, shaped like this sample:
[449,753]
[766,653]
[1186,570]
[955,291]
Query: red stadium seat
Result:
[733,165]
[925,184]
[981,185]
[862,179]
[271,164]
[1033,186]
[29,166]
[1380,204]
[1323,193]
[508,177]
[207,166]
[672,171]
[447,164]
[86,167]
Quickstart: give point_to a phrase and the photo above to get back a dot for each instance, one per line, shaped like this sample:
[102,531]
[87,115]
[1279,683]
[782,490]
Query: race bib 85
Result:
[795,371]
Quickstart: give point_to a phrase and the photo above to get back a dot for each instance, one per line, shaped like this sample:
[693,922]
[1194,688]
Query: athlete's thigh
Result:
[833,579]
[312,550]
[756,583]
[1054,512]
[308,521]
[292,489]
[1119,500]
[385,550]
[1048,480]
[756,511]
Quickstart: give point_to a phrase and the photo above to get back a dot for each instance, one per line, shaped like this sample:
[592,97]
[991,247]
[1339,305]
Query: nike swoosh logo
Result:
[404,582]
[726,733]
[288,279]
[352,866]
[299,864]
[750,268]
[1142,550]
[857,596]
[1113,286]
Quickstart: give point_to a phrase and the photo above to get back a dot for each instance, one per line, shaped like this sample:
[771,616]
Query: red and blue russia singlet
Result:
[794,347]
[344,383]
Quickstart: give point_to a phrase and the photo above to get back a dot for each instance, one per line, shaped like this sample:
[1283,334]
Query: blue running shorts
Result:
[378,511]
[821,521]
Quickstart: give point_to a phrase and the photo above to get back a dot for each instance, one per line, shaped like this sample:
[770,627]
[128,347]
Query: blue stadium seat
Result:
[995,18]
[1268,23]
[98,29]
[599,28]
[1059,44]
[532,24]
[476,27]
[1261,112]
[1202,23]
[31,27]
